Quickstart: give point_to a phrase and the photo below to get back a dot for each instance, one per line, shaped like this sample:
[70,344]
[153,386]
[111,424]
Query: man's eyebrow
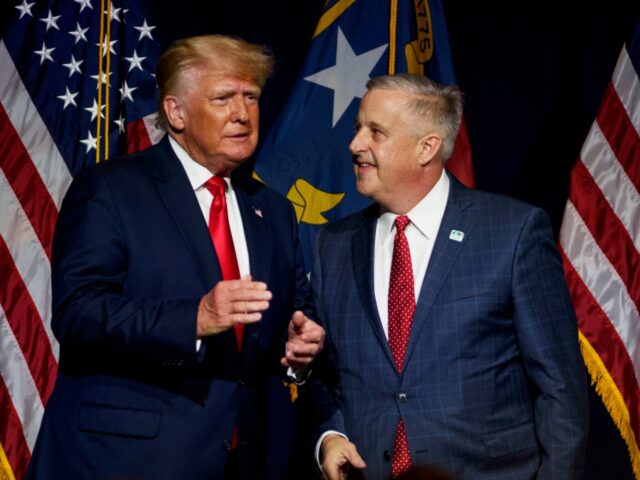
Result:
[377,126]
[230,90]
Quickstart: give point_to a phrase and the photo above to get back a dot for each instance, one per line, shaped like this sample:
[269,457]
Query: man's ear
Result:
[429,146]
[173,109]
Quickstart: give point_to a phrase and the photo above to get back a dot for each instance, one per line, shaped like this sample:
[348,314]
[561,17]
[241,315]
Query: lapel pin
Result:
[456,235]
[257,211]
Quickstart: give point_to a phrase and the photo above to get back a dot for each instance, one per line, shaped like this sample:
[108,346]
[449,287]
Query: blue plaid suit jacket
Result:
[493,385]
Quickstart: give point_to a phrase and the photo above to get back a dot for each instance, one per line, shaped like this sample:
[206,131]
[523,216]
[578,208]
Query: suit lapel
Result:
[457,218]
[259,242]
[256,233]
[363,257]
[180,200]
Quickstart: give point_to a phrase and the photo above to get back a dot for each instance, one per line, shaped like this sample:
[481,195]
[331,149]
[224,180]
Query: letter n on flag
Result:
[600,246]
[305,156]
[76,86]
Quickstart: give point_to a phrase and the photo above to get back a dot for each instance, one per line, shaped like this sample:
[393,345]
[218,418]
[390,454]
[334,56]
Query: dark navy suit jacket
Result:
[132,257]
[493,385]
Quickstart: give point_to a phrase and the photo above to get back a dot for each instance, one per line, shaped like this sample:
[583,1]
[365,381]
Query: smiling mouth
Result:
[362,164]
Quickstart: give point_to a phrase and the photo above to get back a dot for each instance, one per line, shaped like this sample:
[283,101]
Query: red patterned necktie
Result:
[402,304]
[222,239]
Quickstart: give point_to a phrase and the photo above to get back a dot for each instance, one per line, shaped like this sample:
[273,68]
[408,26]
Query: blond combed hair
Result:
[226,54]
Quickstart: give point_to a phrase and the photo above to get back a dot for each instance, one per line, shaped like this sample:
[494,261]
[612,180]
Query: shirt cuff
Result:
[298,376]
[319,444]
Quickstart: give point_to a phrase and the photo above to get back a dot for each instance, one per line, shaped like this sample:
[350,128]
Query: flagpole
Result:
[107,84]
[393,25]
[101,47]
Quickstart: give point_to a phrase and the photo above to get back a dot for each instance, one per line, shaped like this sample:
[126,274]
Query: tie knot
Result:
[216,185]
[402,221]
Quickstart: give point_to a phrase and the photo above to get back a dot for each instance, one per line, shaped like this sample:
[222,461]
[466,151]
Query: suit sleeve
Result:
[91,315]
[318,409]
[546,330]
[302,295]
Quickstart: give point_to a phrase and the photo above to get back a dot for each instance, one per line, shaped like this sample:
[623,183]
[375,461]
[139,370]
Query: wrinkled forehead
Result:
[219,76]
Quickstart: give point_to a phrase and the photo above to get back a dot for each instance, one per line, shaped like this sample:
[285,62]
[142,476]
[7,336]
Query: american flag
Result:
[76,87]
[600,245]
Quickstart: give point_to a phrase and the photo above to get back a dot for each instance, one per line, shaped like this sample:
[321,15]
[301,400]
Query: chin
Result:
[238,157]
[363,190]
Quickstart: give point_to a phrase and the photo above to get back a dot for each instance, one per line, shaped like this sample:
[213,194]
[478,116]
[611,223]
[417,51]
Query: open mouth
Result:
[362,164]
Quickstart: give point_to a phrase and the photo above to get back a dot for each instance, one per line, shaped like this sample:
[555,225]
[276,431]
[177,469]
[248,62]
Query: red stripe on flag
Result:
[610,234]
[603,337]
[24,320]
[12,436]
[616,126]
[26,183]
[137,136]
[461,162]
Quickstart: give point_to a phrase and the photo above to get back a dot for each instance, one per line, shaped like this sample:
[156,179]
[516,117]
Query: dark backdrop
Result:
[533,75]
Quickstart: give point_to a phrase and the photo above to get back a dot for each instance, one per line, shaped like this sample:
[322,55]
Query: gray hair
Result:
[435,106]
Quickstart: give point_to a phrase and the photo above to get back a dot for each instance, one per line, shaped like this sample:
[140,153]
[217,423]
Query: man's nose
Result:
[357,143]
[239,111]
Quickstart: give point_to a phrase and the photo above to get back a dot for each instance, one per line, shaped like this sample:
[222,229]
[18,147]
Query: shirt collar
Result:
[197,174]
[425,216]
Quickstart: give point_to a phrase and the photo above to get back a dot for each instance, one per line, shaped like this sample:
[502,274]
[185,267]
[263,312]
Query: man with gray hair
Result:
[451,340]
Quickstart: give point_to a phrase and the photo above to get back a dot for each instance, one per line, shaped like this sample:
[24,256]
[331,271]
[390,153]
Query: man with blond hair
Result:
[178,289]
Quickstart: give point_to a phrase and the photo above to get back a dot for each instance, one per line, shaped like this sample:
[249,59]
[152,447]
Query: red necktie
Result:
[222,240]
[402,304]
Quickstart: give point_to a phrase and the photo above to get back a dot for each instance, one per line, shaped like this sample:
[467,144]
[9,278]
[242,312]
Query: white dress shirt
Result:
[421,234]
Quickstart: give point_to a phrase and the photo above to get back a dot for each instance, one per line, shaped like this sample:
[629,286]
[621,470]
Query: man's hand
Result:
[231,302]
[339,455]
[305,341]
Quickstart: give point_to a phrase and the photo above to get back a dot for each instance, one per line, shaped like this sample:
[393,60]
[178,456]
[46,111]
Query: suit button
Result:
[402,397]
[226,445]
[387,456]
[241,382]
